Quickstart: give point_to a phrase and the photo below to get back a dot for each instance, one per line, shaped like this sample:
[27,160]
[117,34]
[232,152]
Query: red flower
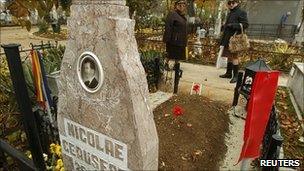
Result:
[196,88]
[178,111]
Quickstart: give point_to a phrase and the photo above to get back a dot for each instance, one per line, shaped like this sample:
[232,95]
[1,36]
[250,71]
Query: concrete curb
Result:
[295,105]
[157,98]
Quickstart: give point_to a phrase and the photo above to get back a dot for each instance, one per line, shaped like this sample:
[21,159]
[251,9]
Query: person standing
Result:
[283,22]
[175,35]
[236,19]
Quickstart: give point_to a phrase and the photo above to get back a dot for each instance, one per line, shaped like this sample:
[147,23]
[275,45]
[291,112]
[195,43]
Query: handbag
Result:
[239,42]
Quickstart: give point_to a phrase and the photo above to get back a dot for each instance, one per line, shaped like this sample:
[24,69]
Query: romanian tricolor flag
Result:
[37,78]
[47,90]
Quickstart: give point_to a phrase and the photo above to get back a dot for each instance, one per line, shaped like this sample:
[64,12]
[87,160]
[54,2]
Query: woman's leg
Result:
[235,68]
[228,73]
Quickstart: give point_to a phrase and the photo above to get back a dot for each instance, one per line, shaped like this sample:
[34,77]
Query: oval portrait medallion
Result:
[90,72]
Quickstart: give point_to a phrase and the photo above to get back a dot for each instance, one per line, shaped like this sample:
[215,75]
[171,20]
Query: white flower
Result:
[45,156]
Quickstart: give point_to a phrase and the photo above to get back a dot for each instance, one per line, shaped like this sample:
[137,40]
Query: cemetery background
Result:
[151,48]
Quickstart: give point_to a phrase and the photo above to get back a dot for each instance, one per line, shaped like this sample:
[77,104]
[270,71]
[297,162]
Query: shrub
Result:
[153,64]
[52,59]
[43,26]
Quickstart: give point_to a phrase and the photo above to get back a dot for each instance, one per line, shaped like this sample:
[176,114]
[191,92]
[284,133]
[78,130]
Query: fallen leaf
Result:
[283,116]
[285,122]
[295,124]
[198,152]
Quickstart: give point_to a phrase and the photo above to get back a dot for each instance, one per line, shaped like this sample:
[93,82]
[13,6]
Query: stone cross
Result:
[104,118]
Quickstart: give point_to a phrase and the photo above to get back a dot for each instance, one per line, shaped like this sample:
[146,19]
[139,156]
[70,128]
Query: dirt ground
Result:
[22,36]
[195,140]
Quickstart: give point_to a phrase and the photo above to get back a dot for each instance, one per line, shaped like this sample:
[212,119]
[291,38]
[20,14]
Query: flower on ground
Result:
[45,157]
[52,148]
[59,162]
[55,149]
[55,163]
[59,165]
[58,150]
[57,168]
[28,154]
[178,111]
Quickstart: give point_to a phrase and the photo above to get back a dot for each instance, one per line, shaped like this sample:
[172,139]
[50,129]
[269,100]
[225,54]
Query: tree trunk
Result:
[191,10]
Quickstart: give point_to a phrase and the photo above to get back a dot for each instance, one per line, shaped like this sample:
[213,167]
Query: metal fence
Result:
[40,131]
[272,141]
[47,133]
[272,31]
[271,129]
[277,60]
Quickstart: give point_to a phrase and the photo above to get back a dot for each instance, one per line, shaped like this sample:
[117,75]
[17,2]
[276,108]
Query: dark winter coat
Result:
[176,29]
[92,84]
[175,36]
[232,25]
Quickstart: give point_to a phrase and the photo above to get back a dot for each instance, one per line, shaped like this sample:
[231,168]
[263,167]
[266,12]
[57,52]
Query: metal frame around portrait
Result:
[92,56]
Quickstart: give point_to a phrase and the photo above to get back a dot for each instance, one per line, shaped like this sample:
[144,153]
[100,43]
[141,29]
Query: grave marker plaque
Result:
[104,118]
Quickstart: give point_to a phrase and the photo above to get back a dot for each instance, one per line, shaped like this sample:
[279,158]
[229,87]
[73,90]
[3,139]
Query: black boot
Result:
[235,73]
[228,73]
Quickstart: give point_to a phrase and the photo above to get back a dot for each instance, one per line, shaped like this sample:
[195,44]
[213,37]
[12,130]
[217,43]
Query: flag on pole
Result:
[44,81]
[45,89]
[259,106]
[37,78]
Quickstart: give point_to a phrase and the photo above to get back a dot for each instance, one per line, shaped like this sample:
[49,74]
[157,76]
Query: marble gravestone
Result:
[104,118]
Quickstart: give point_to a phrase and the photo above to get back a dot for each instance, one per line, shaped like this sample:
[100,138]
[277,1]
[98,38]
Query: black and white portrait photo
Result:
[90,72]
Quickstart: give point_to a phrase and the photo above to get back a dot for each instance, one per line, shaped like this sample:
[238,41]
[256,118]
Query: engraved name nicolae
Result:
[91,150]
